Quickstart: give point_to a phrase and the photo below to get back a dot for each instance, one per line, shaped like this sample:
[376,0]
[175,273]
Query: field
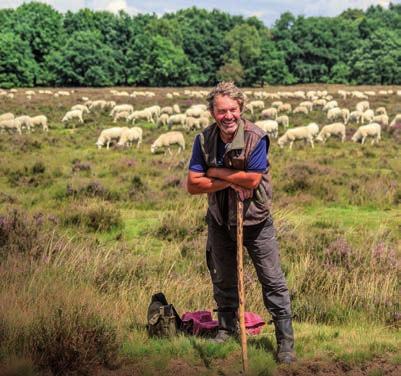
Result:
[88,235]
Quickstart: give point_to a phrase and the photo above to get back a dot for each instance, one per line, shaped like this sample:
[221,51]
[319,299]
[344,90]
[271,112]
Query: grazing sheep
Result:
[362,106]
[129,135]
[24,121]
[269,126]
[10,125]
[368,116]
[381,119]
[298,133]
[283,120]
[329,105]
[355,116]
[277,104]
[300,110]
[168,139]
[381,111]
[359,94]
[121,115]
[314,129]
[167,110]
[80,107]
[122,107]
[108,135]
[176,119]
[269,113]
[204,122]
[319,103]
[162,120]
[335,129]
[154,111]
[307,104]
[40,120]
[143,114]
[345,112]
[364,131]
[194,112]
[192,123]
[285,107]
[7,116]
[72,115]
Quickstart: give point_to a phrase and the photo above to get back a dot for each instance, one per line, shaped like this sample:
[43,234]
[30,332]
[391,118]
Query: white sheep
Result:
[335,129]
[168,139]
[97,104]
[362,106]
[300,110]
[10,125]
[334,114]
[307,104]
[381,111]
[269,126]
[7,116]
[24,121]
[108,135]
[129,135]
[368,116]
[194,112]
[277,104]
[269,113]
[355,116]
[40,120]
[285,107]
[330,105]
[293,134]
[143,114]
[381,119]
[370,130]
[283,120]
[122,107]
[192,123]
[167,110]
[74,114]
[176,108]
[162,120]
[121,115]
[176,119]
[155,111]
[319,102]
[80,107]
[314,129]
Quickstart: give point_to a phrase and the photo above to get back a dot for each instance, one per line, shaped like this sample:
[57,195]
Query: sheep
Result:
[337,129]
[300,110]
[307,104]
[381,111]
[362,106]
[359,94]
[176,119]
[73,114]
[162,120]
[283,120]
[368,116]
[80,107]
[314,129]
[154,110]
[381,119]
[395,121]
[345,114]
[40,120]
[298,133]
[330,105]
[24,121]
[143,114]
[176,109]
[355,116]
[285,107]
[269,113]
[277,104]
[364,131]
[168,139]
[192,123]
[108,135]
[7,116]
[121,115]
[334,114]
[167,110]
[122,107]
[129,135]
[10,125]
[204,122]
[194,112]
[269,126]
[319,103]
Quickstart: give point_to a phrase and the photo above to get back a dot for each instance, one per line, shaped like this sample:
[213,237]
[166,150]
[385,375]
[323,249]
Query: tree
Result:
[17,65]
[231,71]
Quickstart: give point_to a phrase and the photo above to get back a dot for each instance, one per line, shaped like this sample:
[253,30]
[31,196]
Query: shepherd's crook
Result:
[240,277]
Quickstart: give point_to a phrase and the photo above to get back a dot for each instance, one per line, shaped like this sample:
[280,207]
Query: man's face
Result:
[226,112]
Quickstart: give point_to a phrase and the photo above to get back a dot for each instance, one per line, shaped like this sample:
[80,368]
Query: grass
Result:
[97,232]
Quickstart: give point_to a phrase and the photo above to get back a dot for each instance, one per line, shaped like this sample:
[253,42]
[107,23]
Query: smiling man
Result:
[230,160]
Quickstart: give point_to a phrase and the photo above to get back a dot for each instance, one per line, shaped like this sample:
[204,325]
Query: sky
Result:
[266,10]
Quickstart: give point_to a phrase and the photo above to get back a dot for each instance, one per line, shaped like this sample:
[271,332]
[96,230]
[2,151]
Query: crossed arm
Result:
[216,179]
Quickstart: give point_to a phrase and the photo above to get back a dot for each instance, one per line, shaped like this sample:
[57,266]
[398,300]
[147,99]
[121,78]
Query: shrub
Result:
[72,342]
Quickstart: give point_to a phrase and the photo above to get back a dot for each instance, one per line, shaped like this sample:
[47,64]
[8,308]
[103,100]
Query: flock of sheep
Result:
[196,117]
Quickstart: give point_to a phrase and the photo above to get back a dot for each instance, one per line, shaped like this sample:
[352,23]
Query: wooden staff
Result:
[241,290]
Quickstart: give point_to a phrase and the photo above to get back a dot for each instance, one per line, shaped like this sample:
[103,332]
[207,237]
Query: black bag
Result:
[163,319]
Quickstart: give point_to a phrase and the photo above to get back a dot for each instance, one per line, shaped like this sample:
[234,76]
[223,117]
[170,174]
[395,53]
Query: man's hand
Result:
[243,193]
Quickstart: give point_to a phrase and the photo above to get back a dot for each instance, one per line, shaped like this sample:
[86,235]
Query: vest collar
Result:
[238,141]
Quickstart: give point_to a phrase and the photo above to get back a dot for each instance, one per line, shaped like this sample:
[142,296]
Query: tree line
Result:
[40,46]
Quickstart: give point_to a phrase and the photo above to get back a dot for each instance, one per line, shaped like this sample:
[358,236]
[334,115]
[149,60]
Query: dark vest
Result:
[222,204]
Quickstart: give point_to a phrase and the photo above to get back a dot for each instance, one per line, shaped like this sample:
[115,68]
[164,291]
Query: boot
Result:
[228,326]
[285,340]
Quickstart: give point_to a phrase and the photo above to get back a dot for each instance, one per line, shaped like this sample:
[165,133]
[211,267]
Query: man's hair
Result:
[229,89]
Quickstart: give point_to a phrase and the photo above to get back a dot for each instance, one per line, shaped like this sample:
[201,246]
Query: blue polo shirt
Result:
[258,161]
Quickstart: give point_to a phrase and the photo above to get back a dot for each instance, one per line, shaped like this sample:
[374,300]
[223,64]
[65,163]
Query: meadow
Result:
[88,235]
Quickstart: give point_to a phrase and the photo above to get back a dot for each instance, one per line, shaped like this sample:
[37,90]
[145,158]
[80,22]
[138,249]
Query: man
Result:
[229,160]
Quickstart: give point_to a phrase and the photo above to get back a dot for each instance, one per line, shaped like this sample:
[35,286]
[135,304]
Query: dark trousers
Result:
[262,246]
